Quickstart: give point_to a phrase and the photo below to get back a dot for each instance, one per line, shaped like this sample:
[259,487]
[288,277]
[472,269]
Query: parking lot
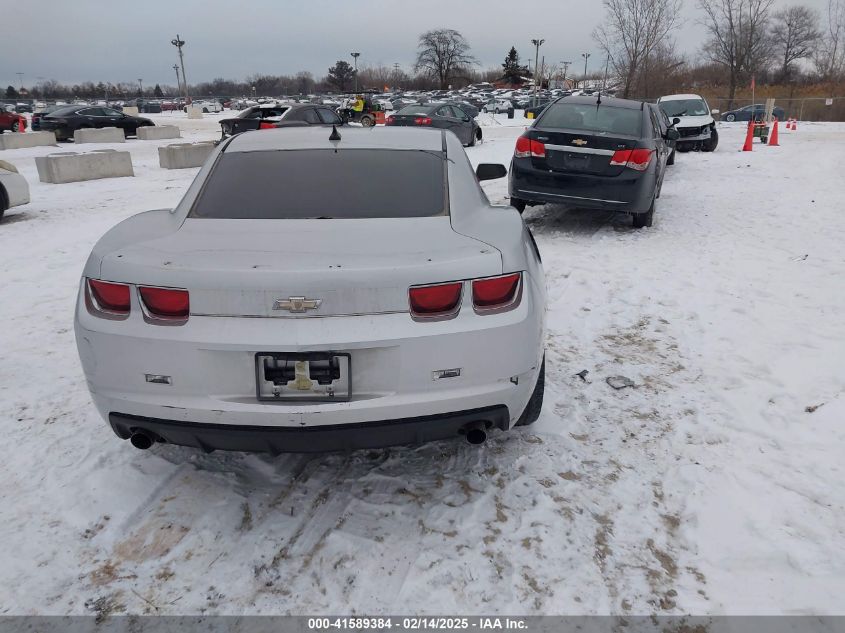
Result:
[711,486]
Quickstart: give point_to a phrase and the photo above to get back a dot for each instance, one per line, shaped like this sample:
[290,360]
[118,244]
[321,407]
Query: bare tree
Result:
[444,54]
[829,57]
[738,37]
[795,33]
[631,32]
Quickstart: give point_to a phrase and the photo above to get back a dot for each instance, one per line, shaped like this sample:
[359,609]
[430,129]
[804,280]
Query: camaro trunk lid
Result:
[262,268]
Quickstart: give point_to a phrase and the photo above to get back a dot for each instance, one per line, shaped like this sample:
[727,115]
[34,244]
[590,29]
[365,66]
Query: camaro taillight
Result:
[439,300]
[496,293]
[422,120]
[637,159]
[528,147]
[165,303]
[109,296]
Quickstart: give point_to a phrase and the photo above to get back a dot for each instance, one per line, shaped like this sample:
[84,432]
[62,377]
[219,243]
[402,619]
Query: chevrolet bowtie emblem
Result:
[579,142]
[297,304]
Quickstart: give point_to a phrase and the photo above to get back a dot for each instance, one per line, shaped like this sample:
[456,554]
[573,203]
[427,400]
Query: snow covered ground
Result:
[709,488]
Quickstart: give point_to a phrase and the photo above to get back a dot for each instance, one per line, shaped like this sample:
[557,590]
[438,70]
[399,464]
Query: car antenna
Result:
[335,135]
[598,100]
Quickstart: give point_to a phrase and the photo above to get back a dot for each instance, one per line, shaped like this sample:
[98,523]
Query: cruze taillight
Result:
[165,303]
[422,120]
[436,301]
[109,296]
[496,293]
[637,159]
[390,121]
[528,148]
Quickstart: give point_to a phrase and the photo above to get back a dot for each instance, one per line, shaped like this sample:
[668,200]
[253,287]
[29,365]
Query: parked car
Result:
[696,125]
[207,106]
[11,121]
[65,121]
[497,106]
[341,310]
[758,111]
[36,116]
[14,190]
[442,116]
[664,125]
[272,115]
[606,155]
[20,108]
[537,110]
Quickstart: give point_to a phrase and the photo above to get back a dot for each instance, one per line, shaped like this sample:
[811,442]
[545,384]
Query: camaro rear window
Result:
[591,118]
[324,183]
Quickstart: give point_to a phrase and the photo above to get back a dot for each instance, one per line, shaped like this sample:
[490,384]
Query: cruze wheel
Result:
[730,118]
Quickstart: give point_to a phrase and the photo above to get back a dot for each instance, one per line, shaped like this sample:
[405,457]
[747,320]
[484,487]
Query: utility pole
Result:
[20,80]
[586,57]
[179,43]
[355,57]
[537,44]
[140,87]
[565,68]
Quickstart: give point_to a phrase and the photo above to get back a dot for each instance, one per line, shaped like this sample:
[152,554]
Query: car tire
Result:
[518,204]
[713,143]
[479,136]
[205,110]
[730,118]
[4,201]
[16,126]
[535,402]
[671,159]
[643,220]
[368,121]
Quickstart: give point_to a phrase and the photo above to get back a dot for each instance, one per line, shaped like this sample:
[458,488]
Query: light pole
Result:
[20,80]
[140,87]
[355,56]
[179,43]
[178,81]
[586,57]
[565,68]
[537,44]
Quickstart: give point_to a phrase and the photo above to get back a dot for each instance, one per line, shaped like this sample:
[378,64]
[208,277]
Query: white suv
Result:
[694,121]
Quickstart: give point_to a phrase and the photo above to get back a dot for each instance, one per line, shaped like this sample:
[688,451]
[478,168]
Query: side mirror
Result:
[676,120]
[714,111]
[672,134]
[466,119]
[490,171]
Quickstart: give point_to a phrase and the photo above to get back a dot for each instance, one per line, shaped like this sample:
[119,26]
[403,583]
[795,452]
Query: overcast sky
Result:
[122,40]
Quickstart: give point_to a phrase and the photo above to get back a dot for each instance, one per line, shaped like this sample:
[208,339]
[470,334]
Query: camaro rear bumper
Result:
[340,437]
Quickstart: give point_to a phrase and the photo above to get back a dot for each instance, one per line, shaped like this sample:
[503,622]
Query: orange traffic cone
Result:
[794,125]
[749,137]
[773,139]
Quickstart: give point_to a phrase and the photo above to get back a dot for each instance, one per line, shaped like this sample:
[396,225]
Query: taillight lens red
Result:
[422,120]
[437,300]
[495,292]
[110,296]
[390,121]
[527,147]
[168,303]
[637,159]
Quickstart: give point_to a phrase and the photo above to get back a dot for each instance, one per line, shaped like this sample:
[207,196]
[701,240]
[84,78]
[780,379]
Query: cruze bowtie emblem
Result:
[579,142]
[297,304]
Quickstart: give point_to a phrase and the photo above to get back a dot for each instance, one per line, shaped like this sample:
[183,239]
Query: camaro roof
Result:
[611,102]
[678,97]
[317,137]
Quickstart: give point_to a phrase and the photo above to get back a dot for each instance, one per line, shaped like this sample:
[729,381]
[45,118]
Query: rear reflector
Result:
[442,300]
[527,148]
[637,159]
[165,303]
[495,292]
[110,296]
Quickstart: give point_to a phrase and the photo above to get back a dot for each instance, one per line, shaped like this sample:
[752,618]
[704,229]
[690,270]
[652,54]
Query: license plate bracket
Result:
[303,376]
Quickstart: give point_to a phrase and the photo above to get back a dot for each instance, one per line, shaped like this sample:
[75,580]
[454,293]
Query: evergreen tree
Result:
[158,92]
[513,72]
[340,74]
[11,93]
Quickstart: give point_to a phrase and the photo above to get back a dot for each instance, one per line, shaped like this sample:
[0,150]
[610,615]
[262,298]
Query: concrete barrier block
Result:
[194,113]
[101,135]
[63,167]
[130,110]
[184,155]
[30,139]
[158,132]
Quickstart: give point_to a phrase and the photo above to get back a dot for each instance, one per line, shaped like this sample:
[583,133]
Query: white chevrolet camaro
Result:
[318,291]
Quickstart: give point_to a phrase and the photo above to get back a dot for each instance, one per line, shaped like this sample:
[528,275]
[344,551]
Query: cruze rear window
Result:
[592,118]
[324,183]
